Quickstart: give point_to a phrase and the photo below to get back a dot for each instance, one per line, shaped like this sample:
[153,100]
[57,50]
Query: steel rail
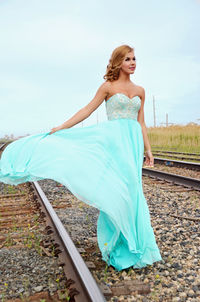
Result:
[3,146]
[176,163]
[176,179]
[83,286]
[75,267]
[174,156]
[174,152]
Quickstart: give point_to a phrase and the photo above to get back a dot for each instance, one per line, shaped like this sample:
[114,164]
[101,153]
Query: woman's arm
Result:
[86,111]
[149,157]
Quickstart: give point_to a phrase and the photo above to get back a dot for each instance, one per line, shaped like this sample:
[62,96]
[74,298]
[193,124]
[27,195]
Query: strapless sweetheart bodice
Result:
[121,106]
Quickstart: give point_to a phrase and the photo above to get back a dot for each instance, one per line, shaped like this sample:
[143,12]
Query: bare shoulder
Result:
[105,86]
[104,89]
[98,99]
[140,88]
[141,92]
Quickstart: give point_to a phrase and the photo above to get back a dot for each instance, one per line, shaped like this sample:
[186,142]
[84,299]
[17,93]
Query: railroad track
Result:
[175,216]
[177,155]
[175,152]
[175,178]
[25,206]
[19,211]
[129,288]
[176,163]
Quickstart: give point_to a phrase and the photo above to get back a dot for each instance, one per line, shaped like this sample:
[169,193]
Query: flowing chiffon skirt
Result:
[102,166]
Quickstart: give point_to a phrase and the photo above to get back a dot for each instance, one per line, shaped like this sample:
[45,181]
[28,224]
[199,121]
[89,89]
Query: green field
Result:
[175,138]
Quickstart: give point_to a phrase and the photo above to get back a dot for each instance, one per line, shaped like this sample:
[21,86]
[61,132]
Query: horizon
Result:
[11,136]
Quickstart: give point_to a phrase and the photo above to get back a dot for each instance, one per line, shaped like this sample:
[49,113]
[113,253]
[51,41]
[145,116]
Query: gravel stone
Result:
[178,240]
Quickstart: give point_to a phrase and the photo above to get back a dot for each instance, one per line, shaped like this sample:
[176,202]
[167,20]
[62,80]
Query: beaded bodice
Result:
[121,106]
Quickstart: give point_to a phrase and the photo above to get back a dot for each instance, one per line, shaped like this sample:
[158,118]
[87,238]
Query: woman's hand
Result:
[149,159]
[55,129]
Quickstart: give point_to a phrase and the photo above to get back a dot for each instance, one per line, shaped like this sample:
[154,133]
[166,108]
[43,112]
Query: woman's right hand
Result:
[149,159]
[55,129]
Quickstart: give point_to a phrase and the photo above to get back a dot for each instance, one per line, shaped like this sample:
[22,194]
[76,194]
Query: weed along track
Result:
[29,227]
[28,268]
[20,221]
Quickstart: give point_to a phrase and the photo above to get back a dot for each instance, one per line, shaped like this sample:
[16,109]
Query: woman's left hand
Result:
[55,129]
[149,159]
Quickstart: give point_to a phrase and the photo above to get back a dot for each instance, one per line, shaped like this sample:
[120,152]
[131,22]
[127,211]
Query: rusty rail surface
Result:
[174,178]
[75,268]
[177,163]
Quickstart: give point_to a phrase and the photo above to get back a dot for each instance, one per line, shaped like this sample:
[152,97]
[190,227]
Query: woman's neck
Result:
[124,77]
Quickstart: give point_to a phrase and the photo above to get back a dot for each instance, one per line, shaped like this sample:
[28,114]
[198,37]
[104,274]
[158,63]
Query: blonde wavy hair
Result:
[116,59]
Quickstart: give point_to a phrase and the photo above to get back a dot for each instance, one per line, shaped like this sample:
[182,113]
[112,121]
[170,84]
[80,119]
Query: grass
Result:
[175,138]
[9,189]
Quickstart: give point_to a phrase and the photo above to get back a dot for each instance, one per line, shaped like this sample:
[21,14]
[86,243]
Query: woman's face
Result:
[129,63]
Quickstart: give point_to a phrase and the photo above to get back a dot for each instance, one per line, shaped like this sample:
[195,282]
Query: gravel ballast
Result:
[177,276]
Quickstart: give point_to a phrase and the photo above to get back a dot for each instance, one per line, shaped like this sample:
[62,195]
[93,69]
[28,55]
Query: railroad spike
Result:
[48,227]
[49,232]
[69,282]
[42,214]
[35,197]
[56,245]
[57,252]
[73,292]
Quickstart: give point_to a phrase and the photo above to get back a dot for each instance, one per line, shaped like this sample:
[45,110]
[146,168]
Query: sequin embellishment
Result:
[121,106]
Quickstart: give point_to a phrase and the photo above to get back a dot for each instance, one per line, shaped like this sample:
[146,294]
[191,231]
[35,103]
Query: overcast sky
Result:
[53,55]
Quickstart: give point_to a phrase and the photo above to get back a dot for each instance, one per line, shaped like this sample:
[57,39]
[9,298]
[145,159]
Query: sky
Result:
[53,56]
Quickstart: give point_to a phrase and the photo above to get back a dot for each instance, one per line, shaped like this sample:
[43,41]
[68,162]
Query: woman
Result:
[100,164]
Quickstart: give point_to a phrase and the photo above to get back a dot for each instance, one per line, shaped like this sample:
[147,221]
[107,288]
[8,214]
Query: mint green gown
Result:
[101,165]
